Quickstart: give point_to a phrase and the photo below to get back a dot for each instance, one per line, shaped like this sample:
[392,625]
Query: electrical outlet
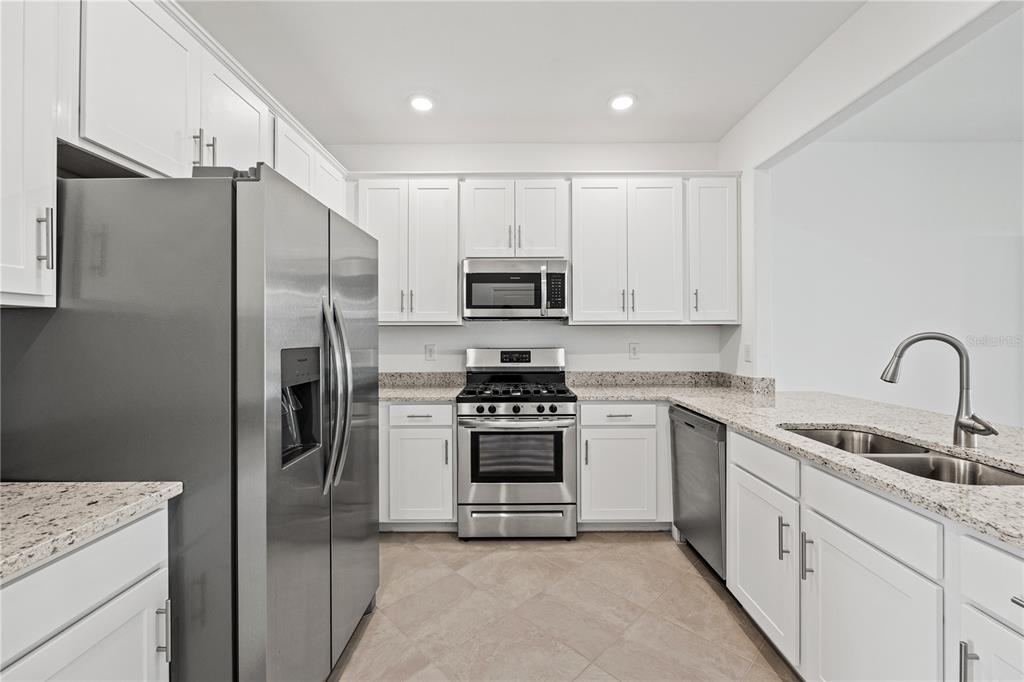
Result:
[748,353]
[634,351]
[430,352]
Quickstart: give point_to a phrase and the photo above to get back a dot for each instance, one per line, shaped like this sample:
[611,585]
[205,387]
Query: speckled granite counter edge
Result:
[55,544]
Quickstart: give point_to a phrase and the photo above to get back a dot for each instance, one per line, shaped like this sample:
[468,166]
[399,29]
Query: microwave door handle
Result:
[544,290]
[346,432]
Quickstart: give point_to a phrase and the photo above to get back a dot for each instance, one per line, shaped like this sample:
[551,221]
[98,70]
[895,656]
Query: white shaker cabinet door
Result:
[542,218]
[294,156]
[140,83]
[864,615]
[713,243]
[618,477]
[329,184]
[421,474]
[384,213]
[598,250]
[655,249]
[118,641]
[763,566]
[434,250]
[487,214]
[237,128]
[28,179]
[999,650]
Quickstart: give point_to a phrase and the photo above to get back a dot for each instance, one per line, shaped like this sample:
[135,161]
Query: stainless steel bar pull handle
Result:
[586,453]
[200,139]
[1018,601]
[803,555]
[519,236]
[418,416]
[446,453]
[212,145]
[618,416]
[623,300]
[401,304]
[166,647]
[696,299]
[782,550]
[47,222]
[965,660]
[632,295]
[510,236]
[410,300]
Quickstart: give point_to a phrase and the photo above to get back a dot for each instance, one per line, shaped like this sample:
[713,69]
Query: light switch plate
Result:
[634,351]
[430,352]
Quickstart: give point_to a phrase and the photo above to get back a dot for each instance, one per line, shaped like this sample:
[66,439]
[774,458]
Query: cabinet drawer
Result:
[618,414]
[906,535]
[420,415]
[771,466]
[991,578]
[43,602]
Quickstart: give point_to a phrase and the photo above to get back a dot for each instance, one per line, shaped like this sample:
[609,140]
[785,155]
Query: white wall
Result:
[874,241]
[881,46]
[511,158]
[588,348]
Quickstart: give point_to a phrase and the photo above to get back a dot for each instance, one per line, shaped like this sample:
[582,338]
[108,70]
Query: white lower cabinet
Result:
[762,564]
[989,651]
[864,615]
[118,641]
[421,464]
[618,474]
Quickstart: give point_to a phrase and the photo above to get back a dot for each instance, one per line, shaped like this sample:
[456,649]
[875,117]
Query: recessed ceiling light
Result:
[623,102]
[421,103]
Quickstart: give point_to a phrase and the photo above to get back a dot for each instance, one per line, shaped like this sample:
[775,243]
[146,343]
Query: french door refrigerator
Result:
[220,331]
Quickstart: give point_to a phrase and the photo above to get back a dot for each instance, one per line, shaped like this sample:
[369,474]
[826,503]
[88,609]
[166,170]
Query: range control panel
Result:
[515,356]
[556,290]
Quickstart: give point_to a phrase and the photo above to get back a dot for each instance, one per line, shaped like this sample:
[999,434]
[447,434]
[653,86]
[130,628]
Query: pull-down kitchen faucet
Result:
[967,426]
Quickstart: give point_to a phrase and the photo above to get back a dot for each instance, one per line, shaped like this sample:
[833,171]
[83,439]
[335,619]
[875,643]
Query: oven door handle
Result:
[524,425]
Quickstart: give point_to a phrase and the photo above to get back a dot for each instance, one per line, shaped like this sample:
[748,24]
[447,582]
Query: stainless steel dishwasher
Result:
[698,484]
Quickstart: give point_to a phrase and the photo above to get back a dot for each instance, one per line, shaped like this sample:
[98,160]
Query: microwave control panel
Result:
[556,290]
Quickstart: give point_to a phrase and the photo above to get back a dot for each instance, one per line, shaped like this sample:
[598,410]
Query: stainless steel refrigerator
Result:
[220,331]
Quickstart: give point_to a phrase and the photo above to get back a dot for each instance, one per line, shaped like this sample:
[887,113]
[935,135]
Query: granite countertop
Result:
[996,511]
[40,521]
[419,394]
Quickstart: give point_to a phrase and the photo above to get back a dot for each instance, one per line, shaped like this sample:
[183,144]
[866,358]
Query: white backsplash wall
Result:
[588,348]
[876,241]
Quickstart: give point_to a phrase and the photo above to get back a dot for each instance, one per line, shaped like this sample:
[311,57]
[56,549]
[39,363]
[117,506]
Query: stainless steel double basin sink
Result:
[913,459]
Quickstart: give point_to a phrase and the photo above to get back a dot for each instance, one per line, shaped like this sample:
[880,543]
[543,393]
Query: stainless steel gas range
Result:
[517,445]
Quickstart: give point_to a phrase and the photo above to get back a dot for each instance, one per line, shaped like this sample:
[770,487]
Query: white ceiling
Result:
[974,94]
[519,71]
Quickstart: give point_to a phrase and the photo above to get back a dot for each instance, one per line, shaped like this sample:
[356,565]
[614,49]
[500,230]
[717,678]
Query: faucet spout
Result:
[967,426]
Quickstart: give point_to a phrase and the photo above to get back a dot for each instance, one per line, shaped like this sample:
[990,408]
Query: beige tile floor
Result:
[607,606]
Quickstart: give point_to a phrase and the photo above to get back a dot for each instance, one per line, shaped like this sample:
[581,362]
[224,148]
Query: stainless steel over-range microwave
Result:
[521,288]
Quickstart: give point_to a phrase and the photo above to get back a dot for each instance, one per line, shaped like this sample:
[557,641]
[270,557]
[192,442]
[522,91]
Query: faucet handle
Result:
[976,424]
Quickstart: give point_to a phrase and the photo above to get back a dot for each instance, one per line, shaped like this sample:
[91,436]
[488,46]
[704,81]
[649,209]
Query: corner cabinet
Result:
[627,237]
[523,218]
[28,181]
[417,225]
[712,240]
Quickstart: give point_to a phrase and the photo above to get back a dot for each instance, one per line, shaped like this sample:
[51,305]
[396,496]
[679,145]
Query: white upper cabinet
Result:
[599,249]
[433,250]
[542,218]
[329,184]
[712,240]
[294,156]
[140,85]
[655,250]
[384,213]
[488,216]
[28,180]
[237,128]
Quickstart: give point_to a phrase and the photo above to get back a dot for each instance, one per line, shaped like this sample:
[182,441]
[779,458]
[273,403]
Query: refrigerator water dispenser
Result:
[300,403]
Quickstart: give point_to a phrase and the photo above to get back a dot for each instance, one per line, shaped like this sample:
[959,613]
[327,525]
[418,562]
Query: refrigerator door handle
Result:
[336,360]
[347,428]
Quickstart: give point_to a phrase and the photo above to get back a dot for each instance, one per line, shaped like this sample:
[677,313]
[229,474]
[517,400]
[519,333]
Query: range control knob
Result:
[516,409]
[479,409]
[540,408]
[492,409]
[553,408]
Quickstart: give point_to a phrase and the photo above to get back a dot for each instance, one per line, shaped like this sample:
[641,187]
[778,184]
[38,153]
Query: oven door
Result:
[517,461]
